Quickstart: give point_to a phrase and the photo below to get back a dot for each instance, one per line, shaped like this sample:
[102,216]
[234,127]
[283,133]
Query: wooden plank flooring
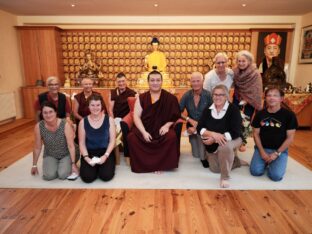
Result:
[16,143]
[150,211]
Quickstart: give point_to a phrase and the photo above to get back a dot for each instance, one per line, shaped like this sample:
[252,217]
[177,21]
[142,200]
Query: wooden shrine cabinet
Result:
[41,53]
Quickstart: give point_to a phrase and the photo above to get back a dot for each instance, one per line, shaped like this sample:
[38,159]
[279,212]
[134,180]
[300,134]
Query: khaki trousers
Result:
[224,159]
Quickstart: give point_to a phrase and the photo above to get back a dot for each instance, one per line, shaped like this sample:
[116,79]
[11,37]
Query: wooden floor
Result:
[150,211]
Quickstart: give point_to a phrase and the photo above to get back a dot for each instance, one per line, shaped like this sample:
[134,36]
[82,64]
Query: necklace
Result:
[96,119]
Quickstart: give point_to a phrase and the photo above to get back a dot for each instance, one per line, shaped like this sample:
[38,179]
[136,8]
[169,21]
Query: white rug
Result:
[189,175]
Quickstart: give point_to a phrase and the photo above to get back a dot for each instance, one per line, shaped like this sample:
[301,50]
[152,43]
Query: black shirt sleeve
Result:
[292,121]
[236,122]
[256,120]
[203,118]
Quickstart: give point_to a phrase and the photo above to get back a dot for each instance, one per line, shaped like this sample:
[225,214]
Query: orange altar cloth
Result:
[297,102]
[301,104]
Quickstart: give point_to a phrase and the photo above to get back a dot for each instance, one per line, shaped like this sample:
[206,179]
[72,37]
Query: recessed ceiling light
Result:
[156,5]
[244,5]
[73,5]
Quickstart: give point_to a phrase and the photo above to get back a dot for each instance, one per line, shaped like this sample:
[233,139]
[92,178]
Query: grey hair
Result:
[246,54]
[197,74]
[220,54]
[224,88]
[52,78]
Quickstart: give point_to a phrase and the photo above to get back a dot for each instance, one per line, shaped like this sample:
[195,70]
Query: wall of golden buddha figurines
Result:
[124,51]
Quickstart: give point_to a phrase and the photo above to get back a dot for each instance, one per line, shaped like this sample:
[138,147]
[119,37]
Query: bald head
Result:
[197,75]
[87,85]
[197,81]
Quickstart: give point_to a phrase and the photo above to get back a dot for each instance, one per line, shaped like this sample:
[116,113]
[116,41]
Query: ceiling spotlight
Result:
[244,5]
[73,5]
[156,5]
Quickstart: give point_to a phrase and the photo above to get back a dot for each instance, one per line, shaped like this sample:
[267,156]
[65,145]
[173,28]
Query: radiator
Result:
[7,106]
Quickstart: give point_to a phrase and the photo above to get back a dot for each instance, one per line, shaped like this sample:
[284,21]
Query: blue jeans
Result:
[276,169]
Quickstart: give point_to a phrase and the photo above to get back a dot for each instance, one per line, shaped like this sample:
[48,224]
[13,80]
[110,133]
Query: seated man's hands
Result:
[164,129]
[147,137]
[192,122]
[191,130]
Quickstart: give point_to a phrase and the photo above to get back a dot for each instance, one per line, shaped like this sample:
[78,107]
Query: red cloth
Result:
[128,119]
[163,152]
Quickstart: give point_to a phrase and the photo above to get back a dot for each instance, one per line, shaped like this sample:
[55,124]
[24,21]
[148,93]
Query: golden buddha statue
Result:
[155,61]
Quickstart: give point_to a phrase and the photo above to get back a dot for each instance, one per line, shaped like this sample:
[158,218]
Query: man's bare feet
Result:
[157,172]
[224,183]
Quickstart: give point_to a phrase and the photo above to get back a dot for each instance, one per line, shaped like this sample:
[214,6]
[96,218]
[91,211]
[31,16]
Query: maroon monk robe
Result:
[163,152]
[83,109]
[121,107]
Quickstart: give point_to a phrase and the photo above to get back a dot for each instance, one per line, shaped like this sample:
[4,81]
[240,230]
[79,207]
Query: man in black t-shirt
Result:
[273,130]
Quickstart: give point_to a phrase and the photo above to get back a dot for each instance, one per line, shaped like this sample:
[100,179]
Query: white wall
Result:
[304,71]
[11,78]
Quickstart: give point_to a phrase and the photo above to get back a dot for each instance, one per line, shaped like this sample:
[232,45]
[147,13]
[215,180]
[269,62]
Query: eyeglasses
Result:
[53,85]
[218,95]
[219,63]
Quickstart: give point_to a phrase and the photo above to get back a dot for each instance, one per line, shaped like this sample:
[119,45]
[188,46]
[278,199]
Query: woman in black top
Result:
[96,141]
[220,129]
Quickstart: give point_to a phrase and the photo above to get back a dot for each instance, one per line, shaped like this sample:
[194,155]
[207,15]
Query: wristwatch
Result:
[277,153]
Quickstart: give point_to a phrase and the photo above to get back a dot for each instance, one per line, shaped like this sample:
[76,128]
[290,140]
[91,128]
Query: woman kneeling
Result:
[59,150]
[96,142]
[220,129]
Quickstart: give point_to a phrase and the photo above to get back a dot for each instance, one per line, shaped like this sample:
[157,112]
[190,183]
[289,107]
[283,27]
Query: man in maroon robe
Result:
[80,103]
[118,99]
[153,143]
